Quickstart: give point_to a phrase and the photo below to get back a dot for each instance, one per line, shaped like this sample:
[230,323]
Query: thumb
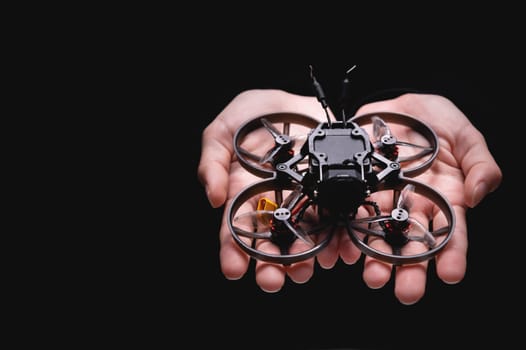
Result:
[483,175]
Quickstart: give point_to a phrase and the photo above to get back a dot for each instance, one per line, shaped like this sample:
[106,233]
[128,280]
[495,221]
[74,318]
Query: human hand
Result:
[464,171]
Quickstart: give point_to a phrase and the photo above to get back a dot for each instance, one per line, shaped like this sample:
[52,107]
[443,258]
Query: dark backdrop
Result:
[148,271]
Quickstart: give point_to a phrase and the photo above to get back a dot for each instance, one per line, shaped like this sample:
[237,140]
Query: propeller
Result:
[279,223]
[283,215]
[283,148]
[283,143]
[399,227]
[411,228]
[388,144]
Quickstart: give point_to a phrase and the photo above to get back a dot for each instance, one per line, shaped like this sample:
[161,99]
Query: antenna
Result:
[320,95]
[350,69]
[345,93]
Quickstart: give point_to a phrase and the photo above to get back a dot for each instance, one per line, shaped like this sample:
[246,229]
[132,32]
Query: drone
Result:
[355,174]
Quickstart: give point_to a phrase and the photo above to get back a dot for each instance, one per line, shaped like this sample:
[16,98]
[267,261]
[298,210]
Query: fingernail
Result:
[478,194]
[207,191]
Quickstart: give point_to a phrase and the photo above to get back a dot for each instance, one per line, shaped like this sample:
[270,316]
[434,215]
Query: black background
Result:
[138,264]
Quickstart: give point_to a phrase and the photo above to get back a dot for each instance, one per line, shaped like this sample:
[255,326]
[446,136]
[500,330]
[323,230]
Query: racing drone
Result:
[354,174]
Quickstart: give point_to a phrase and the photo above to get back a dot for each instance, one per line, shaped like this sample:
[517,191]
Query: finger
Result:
[410,283]
[377,273]
[214,164]
[483,175]
[410,280]
[348,252]
[328,257]
[302,271]
[234,262]
[451,261]
[269,277]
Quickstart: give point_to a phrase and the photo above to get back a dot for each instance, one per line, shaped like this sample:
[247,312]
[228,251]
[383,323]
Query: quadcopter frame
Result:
[339,177]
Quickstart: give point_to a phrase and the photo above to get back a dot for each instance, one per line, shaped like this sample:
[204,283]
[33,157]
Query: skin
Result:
[464,172]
